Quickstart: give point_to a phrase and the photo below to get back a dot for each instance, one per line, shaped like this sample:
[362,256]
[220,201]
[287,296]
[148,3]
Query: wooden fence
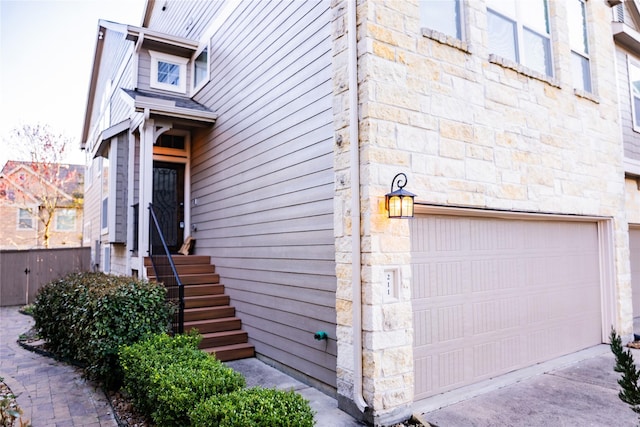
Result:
[24,272]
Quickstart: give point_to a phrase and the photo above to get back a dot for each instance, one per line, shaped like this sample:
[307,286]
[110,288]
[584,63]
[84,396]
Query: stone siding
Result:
[468,129]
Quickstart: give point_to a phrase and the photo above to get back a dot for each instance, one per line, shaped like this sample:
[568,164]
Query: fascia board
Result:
[177,112]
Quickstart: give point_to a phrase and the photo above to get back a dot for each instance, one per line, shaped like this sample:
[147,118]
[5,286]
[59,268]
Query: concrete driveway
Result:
[576,390]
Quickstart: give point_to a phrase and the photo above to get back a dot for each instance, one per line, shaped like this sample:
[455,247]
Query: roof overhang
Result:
[178,108]
[626,36]
[107,134]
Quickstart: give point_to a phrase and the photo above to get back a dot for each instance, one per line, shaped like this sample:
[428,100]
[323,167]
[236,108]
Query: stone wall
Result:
[469,129]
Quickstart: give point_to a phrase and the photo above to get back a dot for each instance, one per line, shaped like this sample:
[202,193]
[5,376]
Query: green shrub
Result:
[86,317]
[256,407]
[167,376]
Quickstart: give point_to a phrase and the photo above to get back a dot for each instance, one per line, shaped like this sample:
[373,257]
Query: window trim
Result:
[181,62]
[585,55]
[196,86]
[20,220]
[635,63]
[57,219]
[459,24]
[520,45]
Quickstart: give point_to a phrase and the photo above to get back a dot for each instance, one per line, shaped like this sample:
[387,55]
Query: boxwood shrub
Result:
[256,407]
[167,376]
[86,317]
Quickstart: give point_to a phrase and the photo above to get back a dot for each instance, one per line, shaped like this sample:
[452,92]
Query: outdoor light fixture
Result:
[399,203]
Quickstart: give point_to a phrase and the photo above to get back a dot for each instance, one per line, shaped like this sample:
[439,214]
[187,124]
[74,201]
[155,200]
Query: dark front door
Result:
[168,201]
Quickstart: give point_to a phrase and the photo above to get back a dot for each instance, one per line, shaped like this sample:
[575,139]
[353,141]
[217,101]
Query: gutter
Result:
[356,255]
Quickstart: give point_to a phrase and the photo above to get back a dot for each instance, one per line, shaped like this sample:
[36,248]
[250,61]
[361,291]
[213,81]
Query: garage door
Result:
[634,248]
[493,295]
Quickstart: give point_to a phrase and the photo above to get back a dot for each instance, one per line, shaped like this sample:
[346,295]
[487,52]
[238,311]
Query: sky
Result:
[46,54]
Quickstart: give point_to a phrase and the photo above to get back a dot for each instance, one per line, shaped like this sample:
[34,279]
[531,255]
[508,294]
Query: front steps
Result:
[208,309]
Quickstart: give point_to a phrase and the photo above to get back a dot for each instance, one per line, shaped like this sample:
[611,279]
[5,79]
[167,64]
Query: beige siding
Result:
[263,179]
[631,138]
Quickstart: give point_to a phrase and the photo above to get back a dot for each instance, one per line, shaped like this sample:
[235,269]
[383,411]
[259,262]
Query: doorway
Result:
[168,201]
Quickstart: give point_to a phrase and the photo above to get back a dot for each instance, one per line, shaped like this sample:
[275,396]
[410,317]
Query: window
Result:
[25,219]
[168,72]
[200,69]
[442,16]
[65,220]
[634,83]
[519,31]
[576,11]
[105,193]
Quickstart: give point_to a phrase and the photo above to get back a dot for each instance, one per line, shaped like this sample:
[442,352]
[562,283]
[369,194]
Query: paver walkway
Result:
[51,393]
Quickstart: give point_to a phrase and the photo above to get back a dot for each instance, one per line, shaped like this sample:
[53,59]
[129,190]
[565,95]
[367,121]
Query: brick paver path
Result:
[51,393]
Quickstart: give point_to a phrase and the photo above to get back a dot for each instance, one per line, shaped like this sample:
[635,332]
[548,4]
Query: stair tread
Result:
[218,320]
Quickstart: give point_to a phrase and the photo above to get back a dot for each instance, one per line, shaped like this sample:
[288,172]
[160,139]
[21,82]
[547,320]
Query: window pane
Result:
[502,36]
[200,65]
[581,72]
[634,81]
[505,7]
[168,73]
[537,52]
[577,26]
[533,14]
[66,220]
[442,16]
[25,221]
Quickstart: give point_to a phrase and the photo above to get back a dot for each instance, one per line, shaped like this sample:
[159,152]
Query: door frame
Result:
[171,155]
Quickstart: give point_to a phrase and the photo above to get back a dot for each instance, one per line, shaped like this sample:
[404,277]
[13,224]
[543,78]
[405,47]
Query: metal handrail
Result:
[166,272]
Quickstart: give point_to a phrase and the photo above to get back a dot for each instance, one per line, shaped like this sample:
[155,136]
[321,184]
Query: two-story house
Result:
[41,205]
[270,132]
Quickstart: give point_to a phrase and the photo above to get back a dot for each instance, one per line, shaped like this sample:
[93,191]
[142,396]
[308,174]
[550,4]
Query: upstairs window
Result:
[200,71]
[442,16]
[519,31]
[576,11]
[168,72]
[25,219]
[65,220]
[634,84]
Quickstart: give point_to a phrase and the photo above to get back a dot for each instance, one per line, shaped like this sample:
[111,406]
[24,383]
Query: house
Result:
[41,205]
[506,118]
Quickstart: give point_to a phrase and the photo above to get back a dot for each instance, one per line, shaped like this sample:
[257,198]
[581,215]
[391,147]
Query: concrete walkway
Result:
[576,390]
[50,393]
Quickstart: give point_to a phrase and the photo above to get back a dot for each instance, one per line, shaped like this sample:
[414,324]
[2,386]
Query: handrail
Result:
[165,270]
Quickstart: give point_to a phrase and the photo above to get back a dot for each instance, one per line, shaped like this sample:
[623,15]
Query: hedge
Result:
[86,317]
[167,376]
[256,407]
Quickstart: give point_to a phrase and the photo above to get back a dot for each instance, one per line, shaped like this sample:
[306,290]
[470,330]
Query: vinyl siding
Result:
[120,167]
[263,179]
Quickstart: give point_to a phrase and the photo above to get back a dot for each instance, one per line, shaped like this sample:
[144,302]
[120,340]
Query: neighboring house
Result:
[28,196]
[507,118]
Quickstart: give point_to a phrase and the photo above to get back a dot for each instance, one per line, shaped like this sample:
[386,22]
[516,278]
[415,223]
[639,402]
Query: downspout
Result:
[356,263]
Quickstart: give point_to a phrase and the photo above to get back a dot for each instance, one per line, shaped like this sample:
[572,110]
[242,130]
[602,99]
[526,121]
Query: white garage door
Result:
[634,248]
[493,295]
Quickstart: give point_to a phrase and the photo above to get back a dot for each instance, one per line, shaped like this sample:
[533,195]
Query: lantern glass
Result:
[395,206]
[407,206]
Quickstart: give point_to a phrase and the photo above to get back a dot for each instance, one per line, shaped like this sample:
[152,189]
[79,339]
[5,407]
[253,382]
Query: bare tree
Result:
[52,182]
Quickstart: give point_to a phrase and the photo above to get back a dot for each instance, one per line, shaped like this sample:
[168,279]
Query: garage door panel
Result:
[493,295]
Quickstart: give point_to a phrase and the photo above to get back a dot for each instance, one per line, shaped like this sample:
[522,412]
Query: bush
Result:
[256,407]
[86,317]
[167,376]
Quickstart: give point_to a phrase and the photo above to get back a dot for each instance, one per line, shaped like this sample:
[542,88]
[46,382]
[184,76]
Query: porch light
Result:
[399,203]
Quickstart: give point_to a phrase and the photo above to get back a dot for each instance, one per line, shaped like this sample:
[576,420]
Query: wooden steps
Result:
[208,309]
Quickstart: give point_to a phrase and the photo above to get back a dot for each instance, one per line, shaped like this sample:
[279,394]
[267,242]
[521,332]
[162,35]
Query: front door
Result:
[168,202]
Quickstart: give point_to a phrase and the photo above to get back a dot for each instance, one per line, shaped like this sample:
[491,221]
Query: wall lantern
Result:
[399,203]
